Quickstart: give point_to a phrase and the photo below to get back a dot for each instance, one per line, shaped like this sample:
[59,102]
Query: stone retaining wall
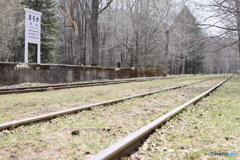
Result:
[14,73]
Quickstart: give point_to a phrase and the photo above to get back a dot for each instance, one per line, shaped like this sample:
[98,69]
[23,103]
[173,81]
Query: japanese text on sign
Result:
[33,26]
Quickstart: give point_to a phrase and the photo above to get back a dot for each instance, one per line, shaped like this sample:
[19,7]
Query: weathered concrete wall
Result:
[14,73]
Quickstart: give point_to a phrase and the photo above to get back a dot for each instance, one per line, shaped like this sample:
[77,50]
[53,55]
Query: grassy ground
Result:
[213,125]
[18,106]
[81,135]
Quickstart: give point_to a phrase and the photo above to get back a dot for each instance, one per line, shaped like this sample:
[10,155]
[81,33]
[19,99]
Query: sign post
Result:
[32,32]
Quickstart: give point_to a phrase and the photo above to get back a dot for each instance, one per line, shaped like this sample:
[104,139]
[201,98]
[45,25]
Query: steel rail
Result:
[26,121]
[72,85]
[130,143]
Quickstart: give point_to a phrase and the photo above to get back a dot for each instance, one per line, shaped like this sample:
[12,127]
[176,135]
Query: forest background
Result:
[180,37]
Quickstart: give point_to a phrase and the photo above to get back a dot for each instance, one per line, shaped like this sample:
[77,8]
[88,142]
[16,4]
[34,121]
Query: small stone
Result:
[75,132]
[6,132]
[106,129]
[13,157]
[87,152]
[228,138]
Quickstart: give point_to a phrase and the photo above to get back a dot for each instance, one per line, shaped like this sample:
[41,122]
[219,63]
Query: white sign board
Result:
[32,31]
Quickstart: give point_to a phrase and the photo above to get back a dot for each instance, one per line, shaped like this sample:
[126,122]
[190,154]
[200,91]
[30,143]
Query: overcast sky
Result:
[202,13]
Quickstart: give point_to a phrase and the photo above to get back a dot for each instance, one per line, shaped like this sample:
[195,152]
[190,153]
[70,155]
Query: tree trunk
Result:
[94,33]
[179,62]
[131,60]
[137,50]
[66,43]
[183,65]
[165,69]
[86,31]
[73,50]
[173,64]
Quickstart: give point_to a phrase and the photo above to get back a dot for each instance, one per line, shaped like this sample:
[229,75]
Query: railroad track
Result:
[45,117]
[130,143]
[73,85]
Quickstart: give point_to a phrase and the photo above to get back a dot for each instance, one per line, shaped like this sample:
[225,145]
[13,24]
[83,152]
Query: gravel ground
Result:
[212,126]
[79,136]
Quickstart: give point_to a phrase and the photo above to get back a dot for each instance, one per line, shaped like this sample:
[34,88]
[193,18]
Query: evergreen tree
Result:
[190,36]
[194,63]
[49,28]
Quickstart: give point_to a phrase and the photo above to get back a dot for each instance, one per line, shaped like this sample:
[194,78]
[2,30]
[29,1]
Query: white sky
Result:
[202,13]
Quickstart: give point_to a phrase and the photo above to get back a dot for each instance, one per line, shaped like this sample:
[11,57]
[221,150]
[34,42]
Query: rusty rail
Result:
[73,85]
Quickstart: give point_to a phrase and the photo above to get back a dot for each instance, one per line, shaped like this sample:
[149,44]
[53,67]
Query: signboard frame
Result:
[32,32]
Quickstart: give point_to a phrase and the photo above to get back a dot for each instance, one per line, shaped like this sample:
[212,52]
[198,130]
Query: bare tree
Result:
[167,11]
[226,18]
[11,28]
[94,11]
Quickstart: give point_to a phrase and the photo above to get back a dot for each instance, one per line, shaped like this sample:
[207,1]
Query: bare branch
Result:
[104,8]
[74,23]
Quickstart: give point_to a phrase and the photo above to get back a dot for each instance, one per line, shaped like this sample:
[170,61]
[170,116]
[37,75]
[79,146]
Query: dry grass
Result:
[18,106]
[210,126]
[81,135]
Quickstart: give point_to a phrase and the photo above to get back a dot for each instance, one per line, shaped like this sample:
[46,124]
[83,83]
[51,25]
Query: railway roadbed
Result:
[209,130]
[38,87]
[18,106]
[80,136]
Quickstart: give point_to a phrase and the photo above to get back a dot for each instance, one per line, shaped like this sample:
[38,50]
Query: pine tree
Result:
[192,46]
[194,63]
[49,28]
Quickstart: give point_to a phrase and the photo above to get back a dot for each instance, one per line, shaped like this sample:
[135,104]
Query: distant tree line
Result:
[125,33]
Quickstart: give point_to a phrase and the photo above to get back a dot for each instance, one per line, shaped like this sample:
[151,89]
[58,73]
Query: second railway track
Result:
[87,107]
[19,106]
[73,85]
